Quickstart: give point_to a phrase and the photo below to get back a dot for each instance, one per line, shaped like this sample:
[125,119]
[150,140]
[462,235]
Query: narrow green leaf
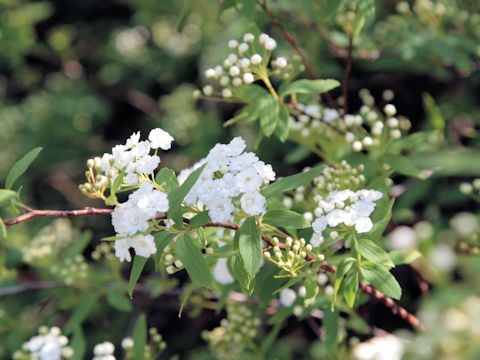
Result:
[402,165]
[78,344]
[200,219]
[292,182]
[137,267]
[349,288]
[283,127]
[6,196]
[117,299]
[193,260]
[250,245]
[19,168]
[85,305]
[312,290]
[177,195]
[167,179]
[370,251]
[380,218]
[434,115]
[404,256]
[139,338]
[381,279]
[309,87]
[342,269]
[268,114]
[286,219]
[330,321]
[240,274]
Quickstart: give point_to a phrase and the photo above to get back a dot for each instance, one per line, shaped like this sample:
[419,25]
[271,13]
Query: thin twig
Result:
[346,79]
[388,302]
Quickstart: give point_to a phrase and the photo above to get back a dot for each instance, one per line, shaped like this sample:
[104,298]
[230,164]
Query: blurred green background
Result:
[77,77]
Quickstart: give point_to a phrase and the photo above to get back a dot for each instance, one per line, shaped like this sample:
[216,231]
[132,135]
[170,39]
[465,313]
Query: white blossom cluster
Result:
[246,63]
[133,160]
[379,348]
[351,208]
[131,218]
[104,351]
[230,182]
[50,344]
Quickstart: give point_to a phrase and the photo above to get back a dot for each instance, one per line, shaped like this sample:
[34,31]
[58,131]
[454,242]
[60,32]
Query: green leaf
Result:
[3,230]
[240,274]
[78,344]
[250,245]
[283,127]
[292,182]
[381,279]
[193,260]
[268,114]
[139,338]
[330,322]
[370,251]
[404,256]
[176,196]
[167,179]
[342,269]
[117,299]
[349,288]
[312,290]
[402,165]
[6,196]
[434,115]
[286,219]
[19,168]
[309,87]
[381,217]
[200,220]
[137,267]
[184,13]
[85,305]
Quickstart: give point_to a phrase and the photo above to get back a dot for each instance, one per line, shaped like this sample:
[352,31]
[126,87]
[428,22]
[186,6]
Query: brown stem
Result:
[388,302]
[348,70]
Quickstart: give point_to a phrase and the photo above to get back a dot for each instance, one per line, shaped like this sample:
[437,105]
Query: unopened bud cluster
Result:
[71,270]
[293,257]
[103,250]
[342,177]
[248,62]
[241,327]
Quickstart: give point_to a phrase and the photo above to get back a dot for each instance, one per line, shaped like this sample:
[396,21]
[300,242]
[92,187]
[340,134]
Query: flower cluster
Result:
[293,257]
[351,208]
[247,63]
[133,216]
[132,161]
[71,269]
[368,129]
[379,347]
[104,351]
[231,177]
[240,328]
[50,344]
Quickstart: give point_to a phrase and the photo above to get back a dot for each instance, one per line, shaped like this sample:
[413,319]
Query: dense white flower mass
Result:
[104,351]
[379,348]
[351,208]
[231,177]
[50,344]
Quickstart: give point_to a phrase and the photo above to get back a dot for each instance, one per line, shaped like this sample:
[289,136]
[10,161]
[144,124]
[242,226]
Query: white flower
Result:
[147,164]
[221,273]
[287,297]
[232,44]
[317,239]
[122,248]
[49,345]
[379,348]
[270,44]
[265,171]
[248,180]
[253,203]
[320,224]
[160,139]
[133,140]
[363,225]
[248,37]
[330,115]
[248,78]
[220,210]
[144,245]
[256,59]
